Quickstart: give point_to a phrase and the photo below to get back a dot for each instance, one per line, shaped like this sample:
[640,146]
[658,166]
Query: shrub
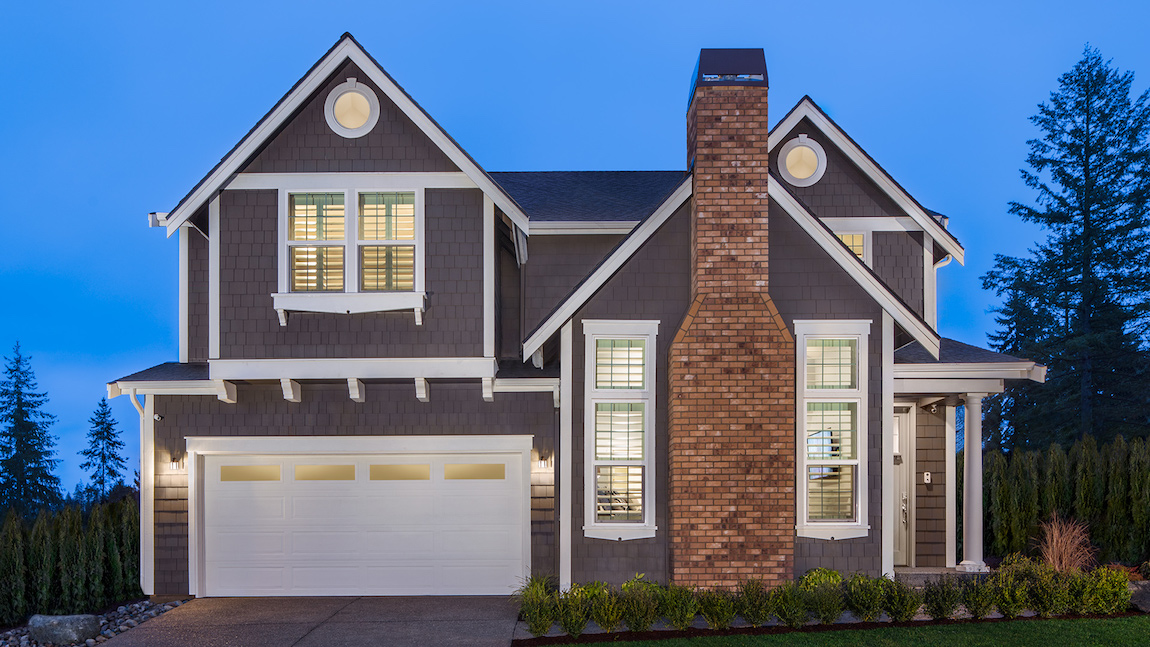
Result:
[574,611]
[1065,545]
[788,605]
[1049,593]
[13,573]
[94,543]
[42,577]
[942,597]
[1078,588]
[1108,591]
[1011,585]
[900,601]
[606,608]
[978,598]
[717,608]
[825,602]
[538,604]
[114,582]
[819,576]
[639,600]
[864,597]
[754,603]
[73,563]
[680,606]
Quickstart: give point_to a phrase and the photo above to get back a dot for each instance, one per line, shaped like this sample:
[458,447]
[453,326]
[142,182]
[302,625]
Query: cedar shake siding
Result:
[555,265]
[452,325]
[732,364]
[807,284]
[930,500]
[898,261]
[306,144]
[390,409]
[844,190]
[653,284]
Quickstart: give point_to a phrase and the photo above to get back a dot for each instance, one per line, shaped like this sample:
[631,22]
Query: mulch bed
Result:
[622,636]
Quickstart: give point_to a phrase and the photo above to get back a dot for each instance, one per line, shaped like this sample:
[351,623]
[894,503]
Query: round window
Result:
[351,109]
[802,161]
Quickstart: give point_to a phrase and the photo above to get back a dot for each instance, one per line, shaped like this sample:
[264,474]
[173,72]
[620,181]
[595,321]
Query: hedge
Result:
[66,564]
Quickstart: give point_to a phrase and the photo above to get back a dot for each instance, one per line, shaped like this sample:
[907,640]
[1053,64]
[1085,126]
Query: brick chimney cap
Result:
[730,67]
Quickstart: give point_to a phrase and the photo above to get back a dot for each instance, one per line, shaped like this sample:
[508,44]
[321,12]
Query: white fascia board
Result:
[477,443]
[868,224]
[902,315]
[872,170]
[560,228]
[348,302]
[955,385]
[173,387]
[985,370]
[614,262]
[526,384]
[340,181]
[341,369]
[345,49]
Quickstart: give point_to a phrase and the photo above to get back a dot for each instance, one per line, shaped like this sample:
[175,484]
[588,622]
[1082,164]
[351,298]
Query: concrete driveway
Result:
[487,621]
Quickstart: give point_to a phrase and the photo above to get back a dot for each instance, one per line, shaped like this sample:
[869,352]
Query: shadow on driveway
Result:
[487,621]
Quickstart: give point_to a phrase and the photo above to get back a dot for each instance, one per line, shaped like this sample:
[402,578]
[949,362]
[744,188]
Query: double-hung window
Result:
[619,429]
[832,429]
[351,251]
[857,243]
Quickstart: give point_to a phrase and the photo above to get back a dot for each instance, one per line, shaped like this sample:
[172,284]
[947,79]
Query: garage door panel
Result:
[399,535]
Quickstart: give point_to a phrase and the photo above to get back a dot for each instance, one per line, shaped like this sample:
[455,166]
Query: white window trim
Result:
[803,140]
[832,329]
[351,85]
[594,330]
[867,238]
[351,300]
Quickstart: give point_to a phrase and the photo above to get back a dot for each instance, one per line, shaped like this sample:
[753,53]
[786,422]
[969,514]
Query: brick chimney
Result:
[732,362]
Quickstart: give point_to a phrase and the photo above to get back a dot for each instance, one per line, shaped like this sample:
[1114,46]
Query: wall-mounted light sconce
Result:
[157,417]
[176,464]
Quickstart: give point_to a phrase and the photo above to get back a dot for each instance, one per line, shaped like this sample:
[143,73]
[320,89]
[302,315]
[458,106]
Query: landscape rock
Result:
[1140,596]
[63,630]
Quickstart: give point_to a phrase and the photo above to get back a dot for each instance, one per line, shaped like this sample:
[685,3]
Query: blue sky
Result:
[112,110]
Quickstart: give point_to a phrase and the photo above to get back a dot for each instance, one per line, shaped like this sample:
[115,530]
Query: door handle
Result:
[905,510]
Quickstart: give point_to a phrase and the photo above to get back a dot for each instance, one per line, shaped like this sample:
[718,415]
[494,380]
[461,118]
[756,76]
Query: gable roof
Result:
[589,196]
[807,108]
[581,293]
[346,48]
[952,352]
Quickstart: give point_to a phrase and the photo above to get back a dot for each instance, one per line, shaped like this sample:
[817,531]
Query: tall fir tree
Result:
[26,442]
[1080,303]
[105,461]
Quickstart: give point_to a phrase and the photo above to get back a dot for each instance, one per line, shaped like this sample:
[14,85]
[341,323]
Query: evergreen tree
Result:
[1080,303]
[26,445]
[105,461]
[13,572]
[43,584]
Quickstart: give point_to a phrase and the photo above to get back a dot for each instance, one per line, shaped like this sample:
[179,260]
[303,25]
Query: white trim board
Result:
[607,269]
[185,236]
[346,48]
[579,228]
[846,259]
[807,108]
[328,369]
[301,182]
[1021,370]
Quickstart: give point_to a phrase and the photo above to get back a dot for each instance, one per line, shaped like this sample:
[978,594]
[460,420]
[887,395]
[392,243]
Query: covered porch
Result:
[921,468]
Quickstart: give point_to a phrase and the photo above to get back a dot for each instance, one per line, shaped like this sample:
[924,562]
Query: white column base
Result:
[972,567]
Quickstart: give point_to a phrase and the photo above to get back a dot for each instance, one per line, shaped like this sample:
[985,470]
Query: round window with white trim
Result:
[351,109]
[802,161]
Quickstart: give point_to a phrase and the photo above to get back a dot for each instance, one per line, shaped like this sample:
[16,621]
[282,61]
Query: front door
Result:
[902,484]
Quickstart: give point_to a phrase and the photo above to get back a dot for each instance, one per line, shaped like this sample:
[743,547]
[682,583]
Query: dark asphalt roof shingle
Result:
[170,372]
[589,196]
[951,352]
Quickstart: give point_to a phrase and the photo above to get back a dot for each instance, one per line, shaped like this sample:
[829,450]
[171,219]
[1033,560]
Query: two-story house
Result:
[399,373]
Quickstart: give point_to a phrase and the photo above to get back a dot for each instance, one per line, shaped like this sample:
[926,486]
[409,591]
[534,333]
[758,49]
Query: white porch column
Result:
[972,488]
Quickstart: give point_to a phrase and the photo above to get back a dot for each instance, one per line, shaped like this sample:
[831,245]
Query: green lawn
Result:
[1134,630]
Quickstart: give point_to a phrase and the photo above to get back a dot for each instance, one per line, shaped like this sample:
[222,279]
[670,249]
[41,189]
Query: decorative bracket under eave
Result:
[355,389]
[291,390]
[489,389]
[421,392]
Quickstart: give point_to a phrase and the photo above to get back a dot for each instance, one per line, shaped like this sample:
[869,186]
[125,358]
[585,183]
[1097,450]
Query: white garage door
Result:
[425,524]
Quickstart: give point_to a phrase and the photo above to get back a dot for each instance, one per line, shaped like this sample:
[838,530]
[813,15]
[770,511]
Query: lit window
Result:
[316,240]
[351,109]
[802,161]
[856,243]
[832,442]
[619,434]
[386,229]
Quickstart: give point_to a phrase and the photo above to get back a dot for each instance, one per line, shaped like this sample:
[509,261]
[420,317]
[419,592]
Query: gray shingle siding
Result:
[806,284]
[390,409]
[452,325]
[654,284]
[555,265]
[306,144]
[898,261]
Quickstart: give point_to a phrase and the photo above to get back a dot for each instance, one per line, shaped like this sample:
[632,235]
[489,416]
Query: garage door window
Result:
[475,471]
[249,472]
[325,472]
[400,472]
